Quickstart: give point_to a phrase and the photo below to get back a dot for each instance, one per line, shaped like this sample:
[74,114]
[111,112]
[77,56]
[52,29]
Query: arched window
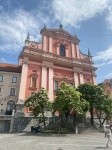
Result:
[62,50]
[12,92]
[10,106]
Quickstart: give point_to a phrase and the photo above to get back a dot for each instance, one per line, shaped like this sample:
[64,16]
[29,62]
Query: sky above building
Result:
[90,20]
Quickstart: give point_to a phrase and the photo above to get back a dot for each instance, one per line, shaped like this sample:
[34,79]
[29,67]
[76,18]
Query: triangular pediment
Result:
[60,33]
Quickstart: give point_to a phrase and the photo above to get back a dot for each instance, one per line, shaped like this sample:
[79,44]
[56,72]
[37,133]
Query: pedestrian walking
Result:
[105,129]
[108,135]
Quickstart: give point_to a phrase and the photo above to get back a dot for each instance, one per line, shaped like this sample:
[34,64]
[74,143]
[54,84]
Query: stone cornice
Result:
[57,60]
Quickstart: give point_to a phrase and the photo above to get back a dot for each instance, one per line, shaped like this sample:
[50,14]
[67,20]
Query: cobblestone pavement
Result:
[23,141]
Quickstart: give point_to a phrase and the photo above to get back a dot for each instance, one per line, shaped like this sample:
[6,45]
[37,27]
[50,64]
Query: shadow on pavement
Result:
[43,134]
[102,147]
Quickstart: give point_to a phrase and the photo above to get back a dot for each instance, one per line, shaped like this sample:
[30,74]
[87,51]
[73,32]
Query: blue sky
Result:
[90,20]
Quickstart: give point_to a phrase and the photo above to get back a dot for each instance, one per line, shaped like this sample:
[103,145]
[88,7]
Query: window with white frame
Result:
[55,85]
[12,92]
[1,78]
[62,50]
[14,79]
[33,82]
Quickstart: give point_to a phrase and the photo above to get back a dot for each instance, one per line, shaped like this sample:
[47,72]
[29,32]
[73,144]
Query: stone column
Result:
[44,43]
[50,44]
[58,50]
[66,52]
[76,79]
[94,80]
[73,51]
[51,84]
[81,78]
[23,81]
[77,49]
[44,77]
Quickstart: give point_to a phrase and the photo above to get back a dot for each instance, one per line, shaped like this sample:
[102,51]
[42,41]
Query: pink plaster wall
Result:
[69,49]
[47,43]
[30,68]
[54,46]
[75,51]
[87,76]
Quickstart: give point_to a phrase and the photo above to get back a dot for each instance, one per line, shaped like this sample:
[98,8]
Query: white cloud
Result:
[14,27]
[104,55]
[72,12]
[15,24]
[107,76]
[3,60]
[100,65]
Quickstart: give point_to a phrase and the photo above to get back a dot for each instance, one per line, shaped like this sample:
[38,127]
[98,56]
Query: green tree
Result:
[99,101]
[39,101]
[88,92]
[103,106]
[67,99]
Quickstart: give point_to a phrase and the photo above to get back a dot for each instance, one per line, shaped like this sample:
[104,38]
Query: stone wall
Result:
[23,124]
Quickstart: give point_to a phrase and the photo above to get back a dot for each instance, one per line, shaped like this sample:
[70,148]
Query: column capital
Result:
[80,72]
[72,42]
[47,66]
[25,62]
[94,75]
[76,71]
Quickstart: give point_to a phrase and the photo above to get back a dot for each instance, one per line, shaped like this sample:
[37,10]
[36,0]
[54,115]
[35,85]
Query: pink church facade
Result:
[57,58]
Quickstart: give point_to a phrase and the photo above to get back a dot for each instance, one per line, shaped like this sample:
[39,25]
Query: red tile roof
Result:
[10,68]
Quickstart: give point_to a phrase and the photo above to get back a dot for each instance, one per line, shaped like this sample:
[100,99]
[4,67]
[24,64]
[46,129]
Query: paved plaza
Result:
[23,141]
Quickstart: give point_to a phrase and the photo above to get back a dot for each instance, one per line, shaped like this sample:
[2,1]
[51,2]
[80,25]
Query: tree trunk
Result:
[92,119]
[43,120]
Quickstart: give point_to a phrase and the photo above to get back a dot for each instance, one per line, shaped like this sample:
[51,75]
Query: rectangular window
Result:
[34,80]
[55,85]
[1,78]
[14,79]
[0,89]
[12,92]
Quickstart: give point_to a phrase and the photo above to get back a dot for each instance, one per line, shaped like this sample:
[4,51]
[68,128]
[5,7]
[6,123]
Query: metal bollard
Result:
[76,130]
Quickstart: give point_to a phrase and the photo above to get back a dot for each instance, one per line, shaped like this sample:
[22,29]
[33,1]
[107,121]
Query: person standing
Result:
[108,135]
[105,130]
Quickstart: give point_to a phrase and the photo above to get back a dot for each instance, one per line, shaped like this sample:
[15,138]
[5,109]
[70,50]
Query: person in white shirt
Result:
[108,135]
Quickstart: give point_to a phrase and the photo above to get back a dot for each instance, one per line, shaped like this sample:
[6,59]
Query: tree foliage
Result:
[88,92]
[68,99]
[39,101]
[99,101]
[103,106]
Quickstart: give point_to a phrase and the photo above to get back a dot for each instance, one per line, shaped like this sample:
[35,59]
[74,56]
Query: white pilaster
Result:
[23,81]
[73,52]
[94,80]
[51,84]
[44,43]
[77,48]
[81,78]
[66,52]
[57,50]
[44,77]
[76,79]
[50,44]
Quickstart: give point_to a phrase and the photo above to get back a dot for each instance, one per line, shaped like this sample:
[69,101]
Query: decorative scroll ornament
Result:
[33,45]
[86,58]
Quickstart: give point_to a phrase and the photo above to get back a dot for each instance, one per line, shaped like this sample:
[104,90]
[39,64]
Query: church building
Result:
[57,58]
